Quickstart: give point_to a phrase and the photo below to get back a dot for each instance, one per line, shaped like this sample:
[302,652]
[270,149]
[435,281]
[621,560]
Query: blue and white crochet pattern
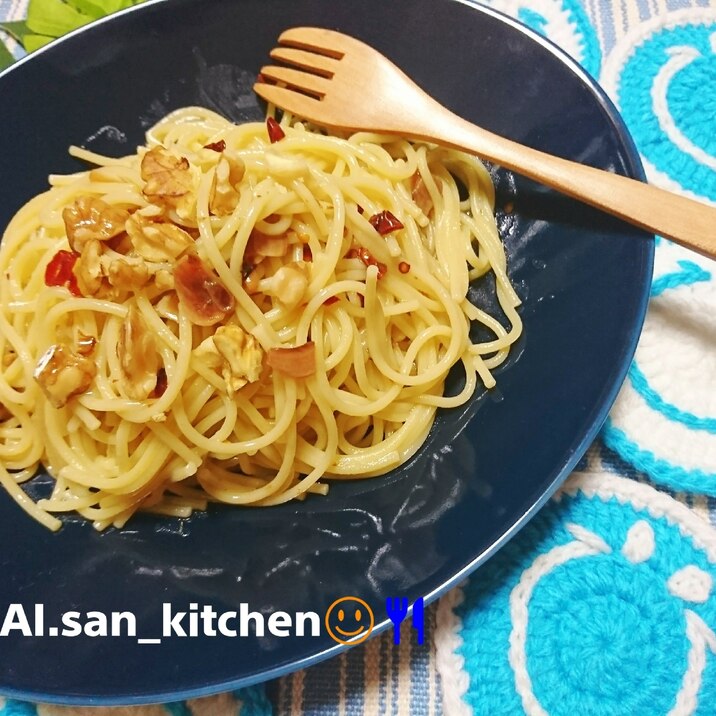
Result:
[565,22]
[661,74]
[603,604]
[662,77]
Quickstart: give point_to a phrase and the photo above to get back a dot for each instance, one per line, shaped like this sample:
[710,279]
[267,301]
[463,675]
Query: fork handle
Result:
[685,221]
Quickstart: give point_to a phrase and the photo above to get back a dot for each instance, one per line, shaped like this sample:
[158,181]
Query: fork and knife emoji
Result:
[397,610]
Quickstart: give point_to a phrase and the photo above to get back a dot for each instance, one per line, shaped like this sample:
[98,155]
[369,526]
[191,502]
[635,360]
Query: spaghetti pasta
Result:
[233,314]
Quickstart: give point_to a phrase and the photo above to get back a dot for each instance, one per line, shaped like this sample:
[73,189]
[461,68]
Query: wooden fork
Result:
[338,82]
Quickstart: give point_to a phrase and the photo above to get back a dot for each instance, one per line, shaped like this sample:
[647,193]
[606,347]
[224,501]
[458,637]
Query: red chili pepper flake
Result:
[403,267]
[274,130]
[161,385]
[216,146]
[361,210]
[307,253]
[59,272]
[368,259]
[384,222]
[331,300]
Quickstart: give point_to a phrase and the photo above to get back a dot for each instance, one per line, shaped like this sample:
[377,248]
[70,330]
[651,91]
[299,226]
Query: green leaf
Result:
[6,59]
[48,19]
[35,42]
[100,8]
[110,6]
[54,17]
[17,30]
[92,9]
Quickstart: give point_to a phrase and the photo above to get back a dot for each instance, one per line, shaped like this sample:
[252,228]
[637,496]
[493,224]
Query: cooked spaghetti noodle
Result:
[235,313]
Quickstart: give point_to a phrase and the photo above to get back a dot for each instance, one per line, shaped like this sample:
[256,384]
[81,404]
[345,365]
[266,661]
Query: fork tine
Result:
[326,42]
[305,60]
[288,99]
[297,79]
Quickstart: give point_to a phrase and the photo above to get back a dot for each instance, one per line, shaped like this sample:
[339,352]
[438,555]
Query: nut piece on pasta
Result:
[236,353]
[242,354]
[289,284]
[200,291]
[224,193]
[206,351]
[164,280]
[127,275]
[156,241]
[88,268]
[61,374]
[168,179]
[138,356]
[90,218]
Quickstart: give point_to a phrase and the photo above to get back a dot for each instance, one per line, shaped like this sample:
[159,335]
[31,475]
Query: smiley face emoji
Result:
[349,620]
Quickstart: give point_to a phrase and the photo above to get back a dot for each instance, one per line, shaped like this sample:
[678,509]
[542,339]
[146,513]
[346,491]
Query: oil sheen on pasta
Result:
[237,313]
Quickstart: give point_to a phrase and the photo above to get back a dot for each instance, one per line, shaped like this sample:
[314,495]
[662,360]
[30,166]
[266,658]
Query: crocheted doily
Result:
[603,604]
[663,79]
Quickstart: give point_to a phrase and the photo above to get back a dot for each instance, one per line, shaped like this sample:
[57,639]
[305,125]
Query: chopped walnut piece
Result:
[90,218]
[61,374]
[127,274]
[88,268]
[208,353]
[224,192]
[138,356]
[168,180]
[155,241]
[200,291]
[164,280]
[242,354]
[165,174]
[150,211]
[236,353]
[289,283]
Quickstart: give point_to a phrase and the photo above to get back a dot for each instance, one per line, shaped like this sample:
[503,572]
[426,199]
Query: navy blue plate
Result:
[484,470]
